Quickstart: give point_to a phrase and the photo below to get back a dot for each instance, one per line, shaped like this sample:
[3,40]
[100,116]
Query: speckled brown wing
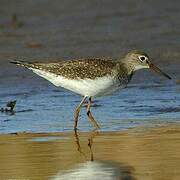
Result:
[83,68]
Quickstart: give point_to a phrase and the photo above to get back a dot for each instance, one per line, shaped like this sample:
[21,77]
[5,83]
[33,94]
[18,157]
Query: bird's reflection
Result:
[91,136]
[95,170]
[92,169]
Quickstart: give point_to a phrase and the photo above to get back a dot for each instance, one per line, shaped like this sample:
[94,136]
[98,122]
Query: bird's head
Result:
[140,60]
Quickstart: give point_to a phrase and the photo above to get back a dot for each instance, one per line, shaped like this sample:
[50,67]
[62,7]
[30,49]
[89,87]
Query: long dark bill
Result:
[156,69]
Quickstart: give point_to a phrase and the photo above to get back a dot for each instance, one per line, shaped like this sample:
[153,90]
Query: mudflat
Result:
[138,153]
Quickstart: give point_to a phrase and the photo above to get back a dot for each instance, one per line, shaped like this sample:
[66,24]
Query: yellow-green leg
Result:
[91,118]
[76,113]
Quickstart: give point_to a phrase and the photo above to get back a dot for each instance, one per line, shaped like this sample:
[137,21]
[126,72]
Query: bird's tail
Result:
[22,63]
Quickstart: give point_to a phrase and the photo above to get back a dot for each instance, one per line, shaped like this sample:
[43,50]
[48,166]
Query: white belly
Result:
[86,87]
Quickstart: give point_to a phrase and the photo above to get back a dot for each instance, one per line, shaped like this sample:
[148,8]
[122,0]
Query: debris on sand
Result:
[34,45]
[9,107]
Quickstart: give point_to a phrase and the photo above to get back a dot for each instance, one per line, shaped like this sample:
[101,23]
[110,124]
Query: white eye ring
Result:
[142,58]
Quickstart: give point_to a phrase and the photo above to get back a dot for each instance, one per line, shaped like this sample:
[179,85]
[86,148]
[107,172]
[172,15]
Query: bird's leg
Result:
[91,118]
[76,113]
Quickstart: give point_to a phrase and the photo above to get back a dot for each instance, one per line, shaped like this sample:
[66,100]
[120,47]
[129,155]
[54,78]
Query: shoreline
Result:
[136,129]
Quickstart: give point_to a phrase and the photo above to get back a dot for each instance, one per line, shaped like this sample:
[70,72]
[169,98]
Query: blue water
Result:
[41,107]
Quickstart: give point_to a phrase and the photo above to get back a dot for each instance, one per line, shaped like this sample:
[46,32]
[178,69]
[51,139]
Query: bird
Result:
[92,77]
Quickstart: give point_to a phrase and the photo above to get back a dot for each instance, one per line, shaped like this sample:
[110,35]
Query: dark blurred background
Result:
[43,29]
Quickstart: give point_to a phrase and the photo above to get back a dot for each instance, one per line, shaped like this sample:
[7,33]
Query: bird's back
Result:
[81,68]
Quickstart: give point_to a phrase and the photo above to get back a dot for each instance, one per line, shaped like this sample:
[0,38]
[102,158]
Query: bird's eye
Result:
[142,58]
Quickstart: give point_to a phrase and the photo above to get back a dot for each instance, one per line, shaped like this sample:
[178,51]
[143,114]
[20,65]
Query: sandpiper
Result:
[92,76]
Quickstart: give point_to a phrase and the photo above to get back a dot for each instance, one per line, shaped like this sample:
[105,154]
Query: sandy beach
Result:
[140,153]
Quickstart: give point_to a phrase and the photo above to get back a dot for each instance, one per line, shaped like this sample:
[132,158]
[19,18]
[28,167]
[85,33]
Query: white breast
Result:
[86,87]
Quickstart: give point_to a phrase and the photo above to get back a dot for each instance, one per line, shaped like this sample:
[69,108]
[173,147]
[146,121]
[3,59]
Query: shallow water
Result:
[43,108]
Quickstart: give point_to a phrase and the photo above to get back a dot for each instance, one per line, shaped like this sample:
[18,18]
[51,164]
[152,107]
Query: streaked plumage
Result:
[82,68]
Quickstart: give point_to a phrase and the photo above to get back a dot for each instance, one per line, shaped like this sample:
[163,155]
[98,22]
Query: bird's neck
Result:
[125,69]
[126,66]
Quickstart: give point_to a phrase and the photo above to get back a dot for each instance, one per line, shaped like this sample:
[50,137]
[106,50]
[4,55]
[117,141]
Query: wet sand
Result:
[139,153]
